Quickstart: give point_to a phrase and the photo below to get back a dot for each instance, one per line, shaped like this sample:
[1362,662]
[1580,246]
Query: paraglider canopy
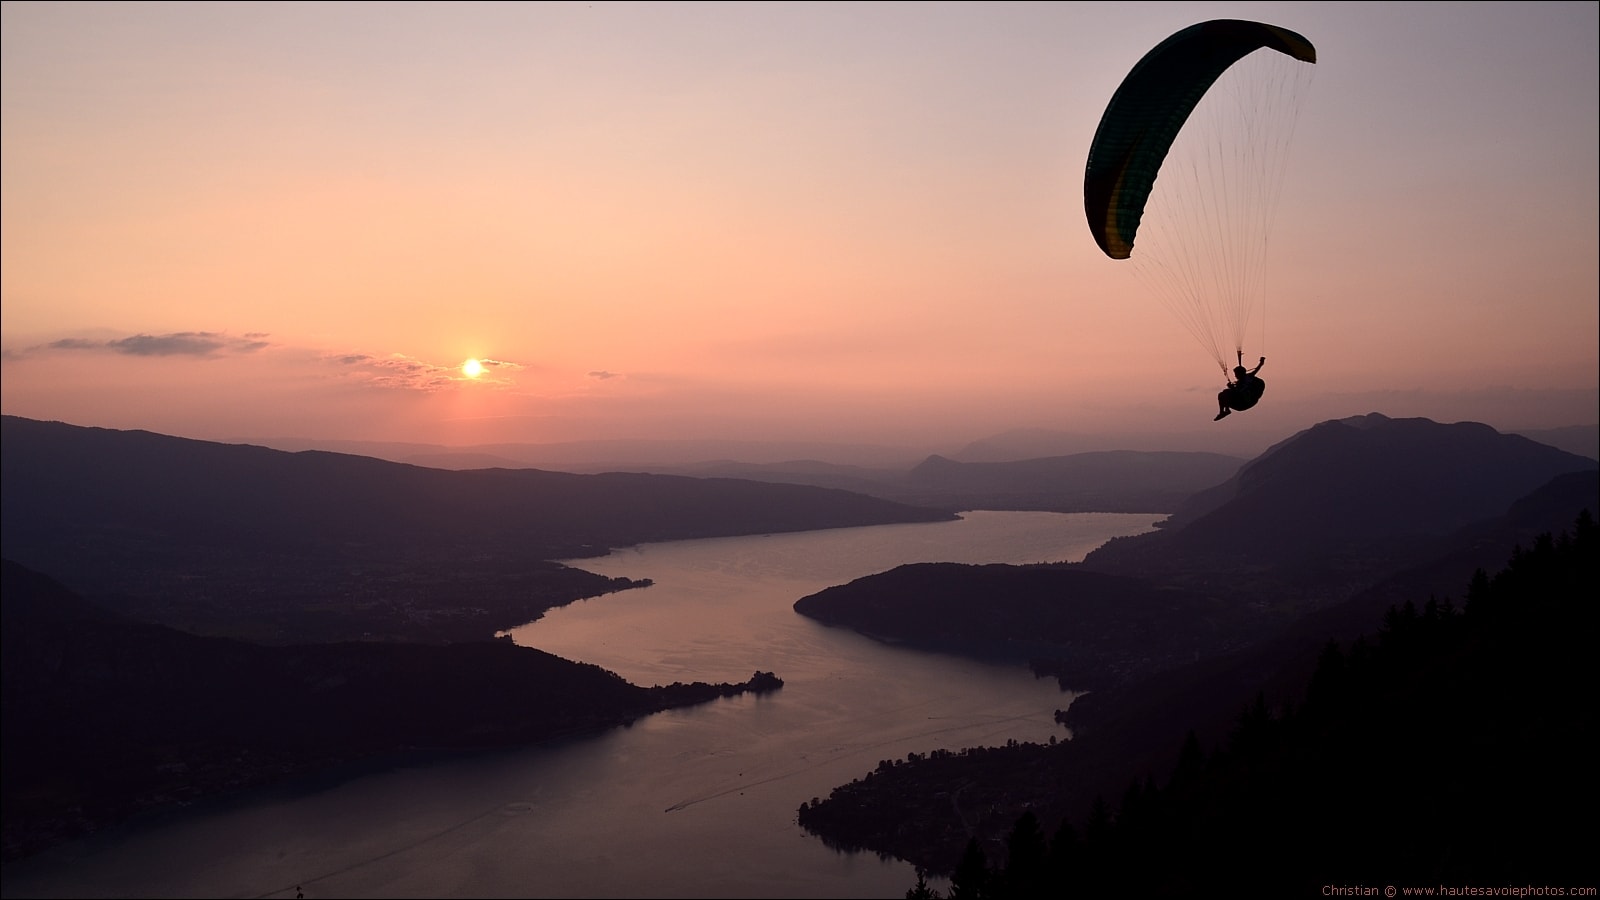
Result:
[1150,107]
[1211,111]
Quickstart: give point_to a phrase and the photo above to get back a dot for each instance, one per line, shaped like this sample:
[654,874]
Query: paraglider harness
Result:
[1247,388]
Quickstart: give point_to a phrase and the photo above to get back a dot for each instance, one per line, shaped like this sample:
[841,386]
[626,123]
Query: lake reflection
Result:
[697,802]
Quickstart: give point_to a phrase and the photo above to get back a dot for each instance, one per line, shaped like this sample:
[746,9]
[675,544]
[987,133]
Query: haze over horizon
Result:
[856,223]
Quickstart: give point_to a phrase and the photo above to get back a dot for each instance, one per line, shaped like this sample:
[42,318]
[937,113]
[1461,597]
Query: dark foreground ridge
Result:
[1451,746]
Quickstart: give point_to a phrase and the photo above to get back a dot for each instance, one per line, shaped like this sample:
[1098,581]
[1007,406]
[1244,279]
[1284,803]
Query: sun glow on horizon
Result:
[472,368]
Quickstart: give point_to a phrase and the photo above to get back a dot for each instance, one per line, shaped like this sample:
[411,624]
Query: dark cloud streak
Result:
[182,343]
[395,371]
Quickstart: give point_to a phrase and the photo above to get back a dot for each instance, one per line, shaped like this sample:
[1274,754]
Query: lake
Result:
[695,802]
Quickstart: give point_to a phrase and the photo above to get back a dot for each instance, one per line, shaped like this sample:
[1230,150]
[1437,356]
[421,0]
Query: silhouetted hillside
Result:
[1448,746]
[1451,749]
[1483,544]
[1088,629]
[1343,498]
[104,716]
[1583,440]
[1127,729]
[60,475]
[241,540]
[1123,729]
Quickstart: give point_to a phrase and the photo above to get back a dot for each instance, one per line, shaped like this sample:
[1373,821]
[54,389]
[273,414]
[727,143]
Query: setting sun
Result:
[472,368]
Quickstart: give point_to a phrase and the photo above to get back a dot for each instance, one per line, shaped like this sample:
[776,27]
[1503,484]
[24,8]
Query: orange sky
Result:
[822,222]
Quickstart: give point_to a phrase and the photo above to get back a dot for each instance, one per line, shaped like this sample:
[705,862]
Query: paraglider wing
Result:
[1150,107]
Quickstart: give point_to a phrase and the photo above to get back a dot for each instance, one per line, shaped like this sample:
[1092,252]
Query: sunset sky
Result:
[851,222]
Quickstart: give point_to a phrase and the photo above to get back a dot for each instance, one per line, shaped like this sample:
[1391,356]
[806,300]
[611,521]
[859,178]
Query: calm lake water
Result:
[690,803]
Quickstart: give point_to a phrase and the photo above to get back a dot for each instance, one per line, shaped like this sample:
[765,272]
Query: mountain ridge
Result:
[687,455]
[1379,482]
[296,547]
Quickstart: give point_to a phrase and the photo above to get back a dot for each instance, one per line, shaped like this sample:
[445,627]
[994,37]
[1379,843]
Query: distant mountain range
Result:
[1032,469]
[1033,443]
[1106,480]
[618,455]
[876,461]
[1097,481]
